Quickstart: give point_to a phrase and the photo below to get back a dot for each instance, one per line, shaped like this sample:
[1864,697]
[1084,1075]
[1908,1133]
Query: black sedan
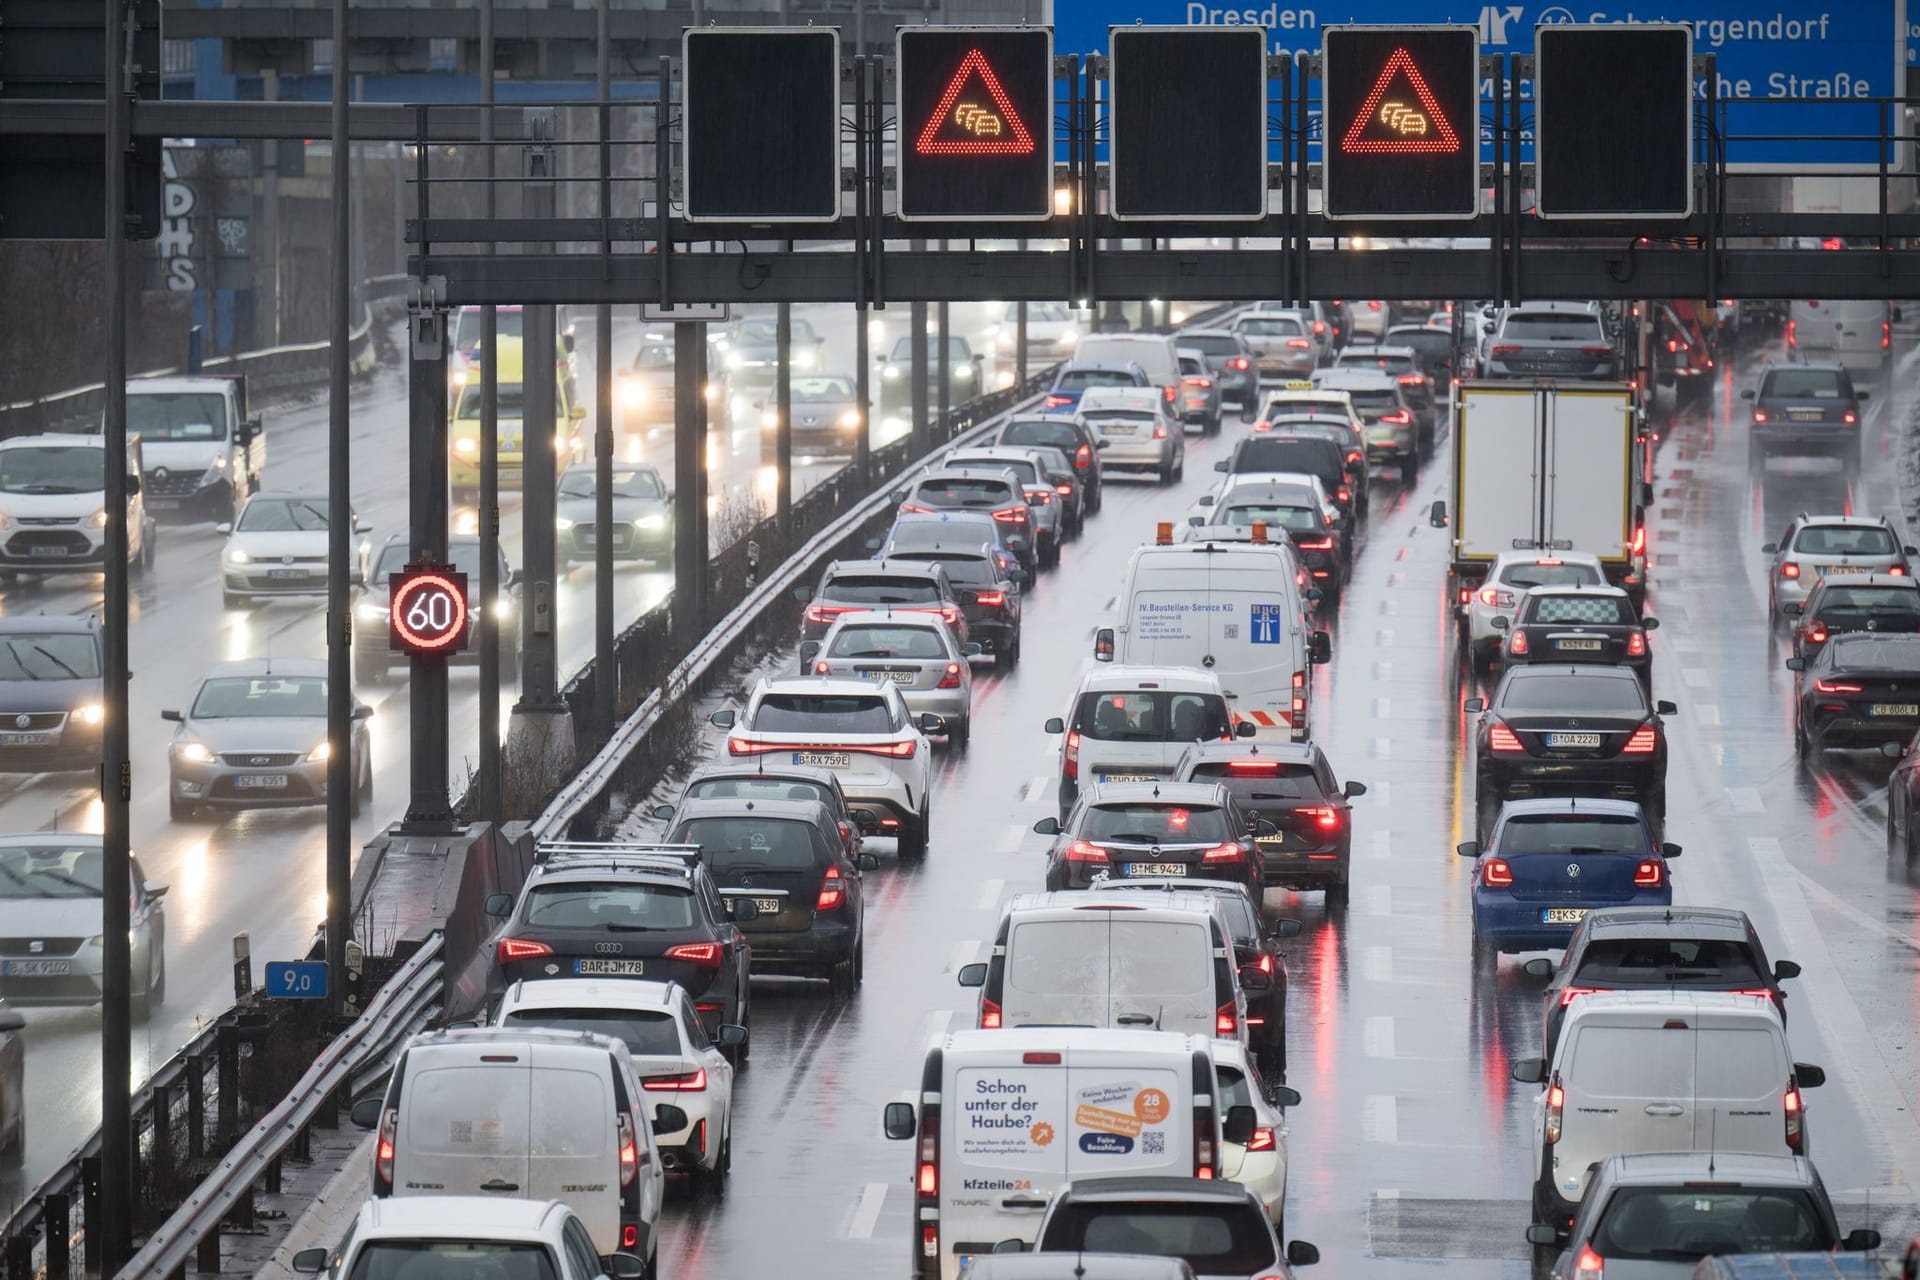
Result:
[1879,602]
[1577,624]
[1152,830]
[1291,786]
[1569,730]
[1859,689]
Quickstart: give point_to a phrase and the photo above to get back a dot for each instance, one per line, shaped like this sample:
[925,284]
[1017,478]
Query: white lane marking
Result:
[1706,713]
[868,1212]
[1380,791]
[935,1026]
[1038,785]
[1719,753]
[1380,1120]
[1389,607]
[1745,800]
[963,954]
[1379,899]
[1697,677]
[990,897]
[1016,836]
[1382,844]
[1383,708]
[1376,964]
[1383,748]
[1383,637]
[1383,671]
[1378,1036]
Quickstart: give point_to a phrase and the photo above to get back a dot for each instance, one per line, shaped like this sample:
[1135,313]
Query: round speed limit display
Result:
[428,610]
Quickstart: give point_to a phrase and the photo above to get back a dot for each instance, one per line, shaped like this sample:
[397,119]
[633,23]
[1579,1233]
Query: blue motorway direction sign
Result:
[1828,50]
[297,979]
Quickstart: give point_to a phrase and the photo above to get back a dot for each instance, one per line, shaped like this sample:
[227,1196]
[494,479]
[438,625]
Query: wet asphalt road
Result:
[1410,1149]
[264,872]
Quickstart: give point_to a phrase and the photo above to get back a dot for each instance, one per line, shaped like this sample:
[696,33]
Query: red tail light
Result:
[383,1154]
[1835,686]
[833,892]
[1501,738]
[1056,401]
[950,679]
[822,669]
[1639,539]
[1239,362]
[1760,415]
[1081,851]
[1159,433]
[1267,768]
[1202,383]
[1319,326]
[1817,633]
[1648,874]
[1588,1266]
[1642,742]
[916,508]
[825,612]
[629,1149]
[1495,598]
[1064,490]
[993,598]
[1849,418]
[1262,1140]
[1071,760]
[1556,1100]
[1596,351]
[1354,455]
[1796,1128]
[1040,497]
[696,953]
[930,1241]
[1886,335]
[927,1183]
[1517,642]
[1413,380]
[1399,417]
[630,1236]
[1082,456]
[688,1082]
[1224,853]
[1343,494]
[1496,873]
[1316,544]
[1299,708]
[1226,1020]
[1466,594]
[1299,344]
[1793,335]
[1014,515]
[1505,349]
[510,949]
[989,1015]
[1790,570]
[1637,644]
[1896,571]
[1263,425]
[1323,816]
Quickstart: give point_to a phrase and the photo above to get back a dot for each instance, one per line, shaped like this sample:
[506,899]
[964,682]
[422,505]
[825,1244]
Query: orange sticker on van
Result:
[1151,1106]
[1101,1120]
[1041,1133]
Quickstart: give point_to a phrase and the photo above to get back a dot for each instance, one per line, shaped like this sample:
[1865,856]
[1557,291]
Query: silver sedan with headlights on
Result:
[827,416]
[642,526]
[255,737]
[277,547]
[915,652]
[50,921]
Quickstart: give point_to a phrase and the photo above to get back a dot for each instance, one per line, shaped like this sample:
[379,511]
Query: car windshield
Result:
[1051,312]
[1870,600]
[642,1031]
[1081,379]
[654,355]
[1553,326]
[1219,1240]
[465,557]
[1572,833]
[877,588]
[1339,430]
[1875,653]
[636,482]
[507,401]
[1271,327]
[53,869]
[756,787]
[1431,344]
[177,415]
[77,468]
[962,569]
[1314,457]
[1365,359]
[506,325]
[1613,961]
[757,331]
[1592,611]
[238,697]
[939,534]
[734,845]
[1806,384]
[823,388]
[451,1259]
[1151,715]
[983,492]
[825,714]
[1060,435]
[1564,692]
[613,906]
[1825,540]
[1255,782]
[1213,344]
[879,641]
[49,655]
[1551,573]
[1155,824]
[1373,402]
[1683,1224]
[1292,519]
[284,515]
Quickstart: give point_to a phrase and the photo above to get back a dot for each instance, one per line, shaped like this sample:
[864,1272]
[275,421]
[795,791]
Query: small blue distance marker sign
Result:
[297,979]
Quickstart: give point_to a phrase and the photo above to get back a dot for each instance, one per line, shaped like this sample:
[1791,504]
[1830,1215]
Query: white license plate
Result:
[824,759]
[1895,709]
[1579,646]
[284,575]
[49,553]
[767,906]
[1805,415]
[611,968]
[1840,570]
[1117,429]
[1563,915]
[1154,869]
[35,968]
[261,782]
[1588,740]
[897,677]
[1126,777]
[26,739]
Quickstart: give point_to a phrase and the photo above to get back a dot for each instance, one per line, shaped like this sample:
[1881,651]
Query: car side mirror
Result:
[625,1266]
[1437,515]
[897,1121]
[1207,499]
[498,905]
[1195,522]
[1808,1076]
[365,1113]
[809,650]
[1769,548]
[973,975]
[866,820]
[898,495]
[1468,848]
[1283,928]
[1671,850]
[1747,394]
[1499,622]
[931,723]
[513,578]
[722,719]
[1319,647]
[171,714]
[1103,645]
[1255,980]
[1261,827]
[223,528]
[1649,624]
[1239,1124]
[1315,595]
[156,888]
[1784,969]
[1665,708]
[1221,466]
[661,812]
[1281,1096]
[1793,609]
[133,484]
[1543,1235]
[1540,967]
[1013,1244]
[1101,446]
[1018,577]
[731,1036]
[1863,395]
[1302,1254]
[1245,729]
[1047,827]
[1530,1071]
[801,594]
[1796,664]
[868,862]
[668,1118]
[310,1262]
[1910,551]
[1055,725]
[743,910]
[1474,704]
[1860,1240]
[971,649]
[1892,750]
[1354,790]
[873,544]
[361,711]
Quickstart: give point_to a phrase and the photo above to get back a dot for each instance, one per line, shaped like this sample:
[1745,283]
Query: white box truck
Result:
[1005,1117]
[1550,468]
[1233,608]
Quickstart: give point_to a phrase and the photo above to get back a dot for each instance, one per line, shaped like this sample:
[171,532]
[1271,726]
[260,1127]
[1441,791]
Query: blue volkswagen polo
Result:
[1549,862]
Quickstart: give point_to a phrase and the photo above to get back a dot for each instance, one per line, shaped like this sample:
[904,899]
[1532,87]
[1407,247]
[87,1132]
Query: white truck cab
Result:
[203,454]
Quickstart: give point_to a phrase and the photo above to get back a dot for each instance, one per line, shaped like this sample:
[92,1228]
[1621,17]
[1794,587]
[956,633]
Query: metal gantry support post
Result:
[429,808]
[116,780]
[539,659]
[486,783]
[783,415]
[689,462]
[606,678]
[341,779]
[943,370]
[917,324]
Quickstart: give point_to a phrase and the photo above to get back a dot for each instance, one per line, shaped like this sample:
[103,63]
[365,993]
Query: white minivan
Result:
[1133,723]
[1004,1118]
[1854,333]
[1234,609]
[528,1113]
[1640,1071]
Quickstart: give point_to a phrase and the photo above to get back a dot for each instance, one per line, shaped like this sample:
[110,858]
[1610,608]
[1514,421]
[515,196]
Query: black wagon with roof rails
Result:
[1072,437]
[629,910]
[1291,786]
[854,586]
[1315,456]
[1804,409]
[988,592]
[759,779]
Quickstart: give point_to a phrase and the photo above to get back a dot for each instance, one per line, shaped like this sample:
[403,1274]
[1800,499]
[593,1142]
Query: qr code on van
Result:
[460,1131]
[1153,1142]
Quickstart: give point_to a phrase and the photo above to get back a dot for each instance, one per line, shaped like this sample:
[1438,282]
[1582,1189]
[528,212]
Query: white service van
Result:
[1157,353]
[1855,333]
[1004,1118]
[1641,1071]
[1234,609]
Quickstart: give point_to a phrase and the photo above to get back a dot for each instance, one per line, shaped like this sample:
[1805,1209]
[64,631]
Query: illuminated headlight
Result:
[803,359]
[633,394]
[711,392]
[503,608]
[468,521]
[1003,379]
[238,555]
[370,611]
[98,519]
[194,753]
[734,360]
[216,468]
[322,752]
[651,522]
[562,523]
[636,448]
[891,373]
[851,418]
[458,379]
[1179,315]
[562,444]
[91,713]
[1069,336]
[964,372]
[467,447]
[769,418]
[876,330]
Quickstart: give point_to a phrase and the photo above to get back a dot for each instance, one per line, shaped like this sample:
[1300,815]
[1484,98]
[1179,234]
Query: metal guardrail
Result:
[404,1004]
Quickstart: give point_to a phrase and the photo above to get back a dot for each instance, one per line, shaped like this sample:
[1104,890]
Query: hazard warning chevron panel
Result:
[1402,122]
[975,123]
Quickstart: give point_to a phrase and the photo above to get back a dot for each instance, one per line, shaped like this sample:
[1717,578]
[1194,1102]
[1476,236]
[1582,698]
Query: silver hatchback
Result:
[1815,548]
[915,652]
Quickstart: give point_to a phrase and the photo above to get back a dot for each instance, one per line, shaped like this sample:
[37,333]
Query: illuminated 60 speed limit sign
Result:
[428,614]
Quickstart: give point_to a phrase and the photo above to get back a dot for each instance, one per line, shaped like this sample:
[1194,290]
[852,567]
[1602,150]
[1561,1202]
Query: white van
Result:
[1133,723]
[1853,333]
[529,1113]
[1234,609]
[1640,1071]
[1005,1117]
[1154,352]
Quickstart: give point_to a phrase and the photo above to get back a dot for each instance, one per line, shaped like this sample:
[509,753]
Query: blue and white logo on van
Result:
[1105,1144]
[1265,623]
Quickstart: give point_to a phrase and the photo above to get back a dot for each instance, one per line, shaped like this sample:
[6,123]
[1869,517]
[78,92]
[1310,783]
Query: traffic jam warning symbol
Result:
[1387,125]
[983,123]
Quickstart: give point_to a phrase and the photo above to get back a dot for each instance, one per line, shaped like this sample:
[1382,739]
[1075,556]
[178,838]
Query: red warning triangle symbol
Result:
[973,127]
[1407,128]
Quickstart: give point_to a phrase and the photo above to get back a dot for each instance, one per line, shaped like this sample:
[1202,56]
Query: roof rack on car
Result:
[612,854]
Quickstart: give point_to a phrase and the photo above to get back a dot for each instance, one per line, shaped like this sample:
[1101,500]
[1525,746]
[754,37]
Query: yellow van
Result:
[463,437]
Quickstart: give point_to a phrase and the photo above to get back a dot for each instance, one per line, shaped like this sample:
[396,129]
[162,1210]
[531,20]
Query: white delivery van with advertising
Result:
[1232,608]
[1005,1117]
